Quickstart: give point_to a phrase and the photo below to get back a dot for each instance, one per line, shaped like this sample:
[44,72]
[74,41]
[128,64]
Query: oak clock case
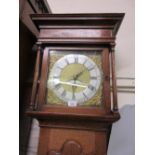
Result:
[72,97]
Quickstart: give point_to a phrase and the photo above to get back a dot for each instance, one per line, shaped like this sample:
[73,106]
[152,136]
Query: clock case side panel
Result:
[75,111]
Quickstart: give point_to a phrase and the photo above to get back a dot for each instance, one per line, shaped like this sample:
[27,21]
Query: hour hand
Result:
[75,76]
[79,74]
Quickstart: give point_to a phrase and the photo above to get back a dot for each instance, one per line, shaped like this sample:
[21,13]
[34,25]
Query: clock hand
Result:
[73,84]
[79,74]
[81,82]
[76,76]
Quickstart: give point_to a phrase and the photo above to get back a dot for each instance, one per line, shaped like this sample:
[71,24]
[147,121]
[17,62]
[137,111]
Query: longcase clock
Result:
[72,96]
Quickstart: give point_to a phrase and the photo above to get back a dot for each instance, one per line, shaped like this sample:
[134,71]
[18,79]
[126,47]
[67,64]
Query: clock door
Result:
[75,79]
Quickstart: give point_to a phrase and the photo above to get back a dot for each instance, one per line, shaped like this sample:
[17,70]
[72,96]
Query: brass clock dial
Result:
[74,79]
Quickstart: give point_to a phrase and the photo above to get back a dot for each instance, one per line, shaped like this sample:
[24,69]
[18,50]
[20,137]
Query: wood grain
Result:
[71,142]
[60,136]
[35,80]
[106,76]
[75,33]
[114,87]
[78,130]
[70,147]
[43,141]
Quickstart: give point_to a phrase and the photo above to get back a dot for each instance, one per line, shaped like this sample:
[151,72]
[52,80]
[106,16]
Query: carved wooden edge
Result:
[110,118]
[85,41]
[110,19]
[113,72]
[33,105]
[77,125]
[70,147]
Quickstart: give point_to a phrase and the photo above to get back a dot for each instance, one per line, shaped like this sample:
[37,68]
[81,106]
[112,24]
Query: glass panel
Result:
[74,78]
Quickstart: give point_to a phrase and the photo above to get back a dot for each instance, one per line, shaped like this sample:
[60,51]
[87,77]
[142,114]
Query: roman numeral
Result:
[76,59]
[93,78]
[91,68]
[85,61]
[67,61]
[60,67]
[63,93]
[57,86]
[92,88]
[85,96]
[56,77]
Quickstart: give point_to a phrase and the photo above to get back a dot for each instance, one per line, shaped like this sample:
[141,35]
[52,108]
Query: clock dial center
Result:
[75,75]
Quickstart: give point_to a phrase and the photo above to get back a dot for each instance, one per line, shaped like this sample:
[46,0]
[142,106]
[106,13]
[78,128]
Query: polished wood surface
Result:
[114,87]
[69,147]
[74,33]
[106,86]
[98,20]
[75,130]
[35,80]
[59,141]
[77,28]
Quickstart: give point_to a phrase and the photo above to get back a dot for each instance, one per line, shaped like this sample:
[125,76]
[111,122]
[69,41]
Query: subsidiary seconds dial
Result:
[74,78]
